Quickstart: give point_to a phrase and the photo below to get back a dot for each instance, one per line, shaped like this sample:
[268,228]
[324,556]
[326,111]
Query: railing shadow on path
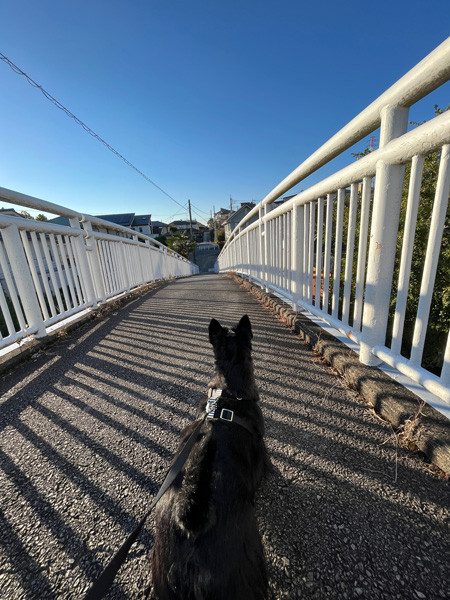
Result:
[90,425]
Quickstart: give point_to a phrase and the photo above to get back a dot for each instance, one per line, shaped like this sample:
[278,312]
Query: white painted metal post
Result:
[327,254]
[407,252]
[432,256]
[87,277]
[306,210]
[362,252]
[318,279]
[261,235]
[312,227]
[267,247]
[383,241]
[22,279]
[96,273]
[338,252]
[297,255]
[349,253]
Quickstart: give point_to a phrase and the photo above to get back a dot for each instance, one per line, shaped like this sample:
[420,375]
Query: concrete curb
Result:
[420,427]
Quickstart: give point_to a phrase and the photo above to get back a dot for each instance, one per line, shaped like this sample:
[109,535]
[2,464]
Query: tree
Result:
[220,237]
[26,215]
[182,243]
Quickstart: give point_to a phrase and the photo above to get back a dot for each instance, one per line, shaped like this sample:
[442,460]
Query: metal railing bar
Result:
[4,262]
[362,252]
[407,251]
[431,257]
[34,274]
[423,78]
[349,253]
[43,273]
[338,252]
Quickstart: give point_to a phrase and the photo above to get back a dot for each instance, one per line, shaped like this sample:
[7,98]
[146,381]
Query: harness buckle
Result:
[226,415]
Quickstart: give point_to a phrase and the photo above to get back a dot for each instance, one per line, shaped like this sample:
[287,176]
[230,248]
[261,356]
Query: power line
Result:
[58,104]
[199,209]
[198,215]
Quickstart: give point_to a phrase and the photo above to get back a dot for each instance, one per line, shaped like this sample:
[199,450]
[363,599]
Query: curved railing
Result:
[312,249]
[51,273]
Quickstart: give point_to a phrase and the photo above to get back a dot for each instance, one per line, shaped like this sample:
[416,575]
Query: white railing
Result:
[50,273]
[312,250]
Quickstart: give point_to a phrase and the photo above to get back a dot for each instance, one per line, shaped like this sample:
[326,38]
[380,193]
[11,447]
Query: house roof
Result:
[185,223]
[60,221]
[10,212]
[125,219]
[159,224]
[245,208]
[141,220]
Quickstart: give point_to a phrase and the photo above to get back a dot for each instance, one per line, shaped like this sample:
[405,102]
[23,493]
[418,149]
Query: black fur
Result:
[207,543]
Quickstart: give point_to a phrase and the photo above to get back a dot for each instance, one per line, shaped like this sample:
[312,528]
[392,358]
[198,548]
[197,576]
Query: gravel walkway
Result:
[88,428]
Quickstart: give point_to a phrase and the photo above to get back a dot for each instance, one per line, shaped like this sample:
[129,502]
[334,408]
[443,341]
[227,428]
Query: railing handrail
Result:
[20,199]
[314,252]
[419,141]
[423,78]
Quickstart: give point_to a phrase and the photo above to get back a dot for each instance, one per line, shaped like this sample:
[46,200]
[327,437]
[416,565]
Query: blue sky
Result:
[208,99]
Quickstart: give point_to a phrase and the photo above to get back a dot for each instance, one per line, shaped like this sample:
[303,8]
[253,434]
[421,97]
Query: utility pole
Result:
[190,217]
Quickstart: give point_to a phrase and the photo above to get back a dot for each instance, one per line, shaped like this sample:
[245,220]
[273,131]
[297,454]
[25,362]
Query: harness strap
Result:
[225,414]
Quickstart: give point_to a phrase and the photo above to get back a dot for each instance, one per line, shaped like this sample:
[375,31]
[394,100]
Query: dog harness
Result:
[224,414]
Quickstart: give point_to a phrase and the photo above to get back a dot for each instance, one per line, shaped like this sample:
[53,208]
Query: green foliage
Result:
[3,327]
[439,321]
[220,237]
[182,243]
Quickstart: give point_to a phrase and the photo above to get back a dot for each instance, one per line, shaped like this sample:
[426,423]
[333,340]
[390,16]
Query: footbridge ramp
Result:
[89,426]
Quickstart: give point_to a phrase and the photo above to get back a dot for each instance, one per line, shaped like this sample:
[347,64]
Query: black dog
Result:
[207,543]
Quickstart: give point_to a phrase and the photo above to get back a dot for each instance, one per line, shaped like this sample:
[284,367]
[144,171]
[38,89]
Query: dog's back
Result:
[207,543]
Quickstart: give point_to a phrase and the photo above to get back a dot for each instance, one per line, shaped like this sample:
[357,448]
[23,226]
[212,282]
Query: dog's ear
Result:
[244,328]
[216,332]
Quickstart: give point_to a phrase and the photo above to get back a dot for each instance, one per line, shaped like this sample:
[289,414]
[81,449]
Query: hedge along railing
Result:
[312,250]
[50,273]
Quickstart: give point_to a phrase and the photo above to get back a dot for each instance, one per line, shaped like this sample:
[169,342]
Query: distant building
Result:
[10,212]
[221,216]
[139,223]
[185,226]
[235,218]
[159,228]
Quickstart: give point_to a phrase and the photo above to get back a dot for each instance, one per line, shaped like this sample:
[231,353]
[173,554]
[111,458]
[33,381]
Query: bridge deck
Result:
[89,426]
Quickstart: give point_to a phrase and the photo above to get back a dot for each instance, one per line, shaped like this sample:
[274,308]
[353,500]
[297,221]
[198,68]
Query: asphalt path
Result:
[89,425]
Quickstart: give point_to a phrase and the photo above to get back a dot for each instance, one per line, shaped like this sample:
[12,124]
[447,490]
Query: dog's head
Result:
[229,342]
[232,351]
[234,365]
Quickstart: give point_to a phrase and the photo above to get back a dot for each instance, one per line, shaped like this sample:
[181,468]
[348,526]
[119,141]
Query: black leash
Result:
[101,586]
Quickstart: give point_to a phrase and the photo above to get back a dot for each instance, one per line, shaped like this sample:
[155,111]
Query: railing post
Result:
[90,267]
[383,239]
[267,254]
[22,279]
[296,255]
[262,235]
[124,266]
